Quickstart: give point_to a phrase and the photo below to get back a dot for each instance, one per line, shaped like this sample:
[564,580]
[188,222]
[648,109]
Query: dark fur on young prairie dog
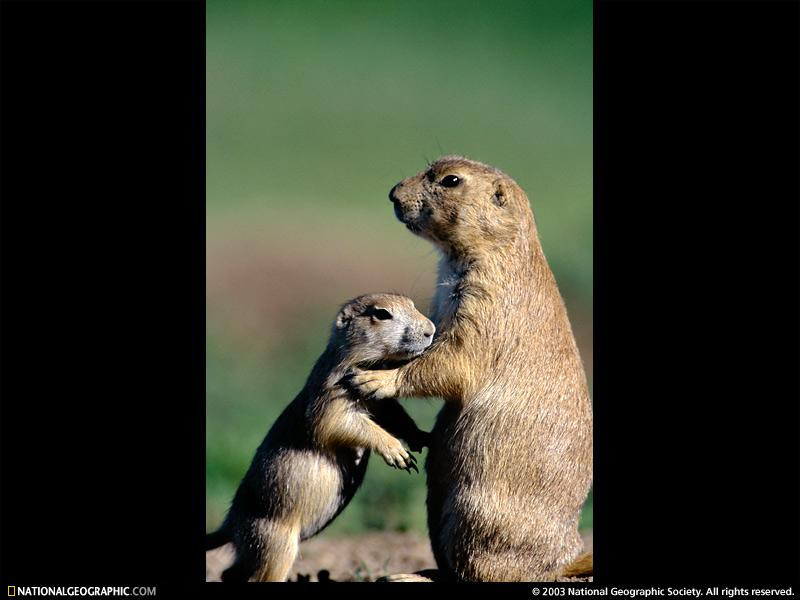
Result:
[314,457]
[510,462]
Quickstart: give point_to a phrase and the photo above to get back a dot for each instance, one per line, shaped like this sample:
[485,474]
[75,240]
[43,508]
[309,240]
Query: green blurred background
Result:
[314,111]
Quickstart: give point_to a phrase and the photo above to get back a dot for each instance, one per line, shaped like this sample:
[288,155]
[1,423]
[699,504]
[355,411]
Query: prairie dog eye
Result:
[381,314]
[450,181]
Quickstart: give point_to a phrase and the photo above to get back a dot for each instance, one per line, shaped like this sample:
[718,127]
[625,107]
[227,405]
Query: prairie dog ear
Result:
[501,192]
[344,317]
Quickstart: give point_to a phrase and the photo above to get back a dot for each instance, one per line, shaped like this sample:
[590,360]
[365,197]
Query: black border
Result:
[696,296]
[103,293]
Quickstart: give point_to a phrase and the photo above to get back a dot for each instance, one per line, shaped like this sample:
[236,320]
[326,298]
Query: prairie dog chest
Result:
[448,290]
[358,455]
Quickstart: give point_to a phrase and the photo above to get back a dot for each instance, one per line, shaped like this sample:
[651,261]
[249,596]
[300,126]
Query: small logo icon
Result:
[12,590]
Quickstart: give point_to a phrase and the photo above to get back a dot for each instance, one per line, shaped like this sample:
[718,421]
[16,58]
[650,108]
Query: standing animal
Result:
[510,462]
[314,457]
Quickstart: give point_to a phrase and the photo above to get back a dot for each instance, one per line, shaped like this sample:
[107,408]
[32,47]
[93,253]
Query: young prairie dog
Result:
[510,462]
[314,457]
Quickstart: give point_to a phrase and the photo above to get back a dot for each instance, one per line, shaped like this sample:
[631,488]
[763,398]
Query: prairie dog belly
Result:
[320,498]
[507,513]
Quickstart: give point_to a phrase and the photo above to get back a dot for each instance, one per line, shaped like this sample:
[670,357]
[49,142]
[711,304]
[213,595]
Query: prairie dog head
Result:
[381,327]
[461,205]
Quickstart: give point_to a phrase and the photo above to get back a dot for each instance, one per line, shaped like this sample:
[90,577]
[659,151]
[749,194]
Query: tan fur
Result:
[282,541]
[583,566]
[314,457]
[510,464]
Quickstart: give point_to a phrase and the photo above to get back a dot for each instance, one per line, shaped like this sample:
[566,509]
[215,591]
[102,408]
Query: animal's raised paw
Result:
[375,385]
[418,441]
[396,455]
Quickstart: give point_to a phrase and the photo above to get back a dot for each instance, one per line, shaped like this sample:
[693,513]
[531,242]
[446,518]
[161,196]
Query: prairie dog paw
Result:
[375,385]
[419,440]
[396,455]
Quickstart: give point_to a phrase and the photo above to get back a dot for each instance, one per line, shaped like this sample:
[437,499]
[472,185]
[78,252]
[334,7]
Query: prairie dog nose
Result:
[429,329]
[392,196]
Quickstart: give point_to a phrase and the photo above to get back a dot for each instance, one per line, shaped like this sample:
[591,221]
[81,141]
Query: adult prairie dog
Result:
[314,457]
[510,461]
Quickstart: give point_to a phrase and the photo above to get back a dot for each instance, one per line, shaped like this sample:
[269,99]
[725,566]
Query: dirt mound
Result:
[357,558]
